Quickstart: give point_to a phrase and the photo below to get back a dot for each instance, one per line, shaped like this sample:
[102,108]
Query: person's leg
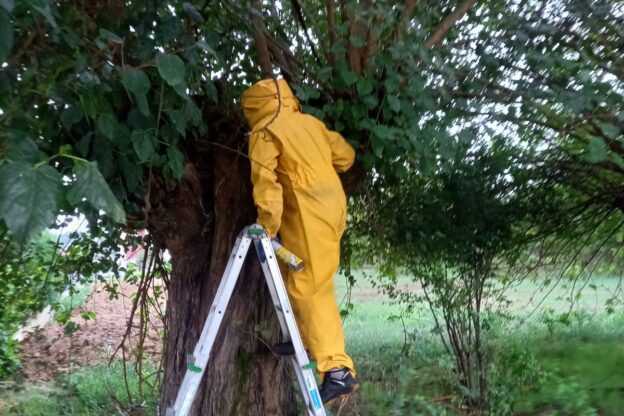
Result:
[313,298]
[311,291]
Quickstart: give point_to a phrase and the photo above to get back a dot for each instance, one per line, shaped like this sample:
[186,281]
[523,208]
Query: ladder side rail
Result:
[282,321]
[309,387]
[234,254]
[201,355]
[276,302]
[224,291]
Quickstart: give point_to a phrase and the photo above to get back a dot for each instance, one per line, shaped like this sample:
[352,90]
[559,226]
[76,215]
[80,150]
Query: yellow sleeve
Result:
[343,154]
[267,192]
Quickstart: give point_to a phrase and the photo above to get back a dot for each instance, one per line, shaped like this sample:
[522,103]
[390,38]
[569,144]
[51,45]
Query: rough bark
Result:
[198,222]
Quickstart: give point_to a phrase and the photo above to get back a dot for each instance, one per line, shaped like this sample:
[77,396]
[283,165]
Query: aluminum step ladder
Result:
[197,361]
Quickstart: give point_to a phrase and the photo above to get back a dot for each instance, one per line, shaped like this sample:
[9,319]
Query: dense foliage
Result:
[35,275]
[482,128]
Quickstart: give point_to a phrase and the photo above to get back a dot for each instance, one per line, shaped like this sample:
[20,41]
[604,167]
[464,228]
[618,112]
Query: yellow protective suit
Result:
[294,160]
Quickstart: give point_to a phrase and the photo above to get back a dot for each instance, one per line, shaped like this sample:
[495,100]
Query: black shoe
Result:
[337,382]
[283,349]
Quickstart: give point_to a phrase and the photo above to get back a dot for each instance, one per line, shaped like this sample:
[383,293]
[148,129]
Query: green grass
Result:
[402,365]
[583,356]
[98,390]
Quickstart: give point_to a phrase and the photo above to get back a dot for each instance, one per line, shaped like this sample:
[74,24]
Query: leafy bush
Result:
[90,391]
[34,276]
[406,400]
[26,286]
[514,372]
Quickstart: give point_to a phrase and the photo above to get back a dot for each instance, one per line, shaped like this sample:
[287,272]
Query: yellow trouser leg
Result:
[312,225]
[313,298]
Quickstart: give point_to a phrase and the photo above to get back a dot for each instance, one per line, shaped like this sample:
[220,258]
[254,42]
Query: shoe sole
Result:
[344,397]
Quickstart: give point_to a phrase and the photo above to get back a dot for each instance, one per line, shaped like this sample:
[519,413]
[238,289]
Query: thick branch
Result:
[371,41]
[266,70]
[353,53]
[408,9]
[447,24]
[281,58]
[331,29]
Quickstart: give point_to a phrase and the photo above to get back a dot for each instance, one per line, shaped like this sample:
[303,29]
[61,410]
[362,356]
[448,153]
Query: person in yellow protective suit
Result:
[297,192]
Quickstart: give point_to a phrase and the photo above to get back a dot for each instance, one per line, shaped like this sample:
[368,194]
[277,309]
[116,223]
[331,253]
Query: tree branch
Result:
[371,41]
[406,14]
[447,24]
[266,69]
[298,11]
[331,29]
[281,57]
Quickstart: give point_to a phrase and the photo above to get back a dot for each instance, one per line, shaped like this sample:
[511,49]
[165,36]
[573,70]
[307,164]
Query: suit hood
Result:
[261,102]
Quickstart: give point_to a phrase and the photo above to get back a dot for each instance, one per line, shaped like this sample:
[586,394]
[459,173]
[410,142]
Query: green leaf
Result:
[610,130]
[349,77]
[65,149]
[181,89]
[71,116]
[87,315]
[110,36]
[206,47]
[617,159]
[171,68]
[107,125]
[90,184]
[43,8]
[135,81]
[22,148]
[143,105]
[29,198]
[378,147]
[6,89]
[132,173]
[83,144]
[211,90]
[364,86]
[6,35]
[394,103]
[596,150]
[8,5]
[142,144]
[192,12]
[192,112]
[175,162]
[179,121]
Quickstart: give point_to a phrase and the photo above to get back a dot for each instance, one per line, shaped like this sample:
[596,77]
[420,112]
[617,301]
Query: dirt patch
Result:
[48,351]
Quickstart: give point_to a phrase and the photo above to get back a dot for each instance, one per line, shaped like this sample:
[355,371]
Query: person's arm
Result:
[343,154]
[267,192]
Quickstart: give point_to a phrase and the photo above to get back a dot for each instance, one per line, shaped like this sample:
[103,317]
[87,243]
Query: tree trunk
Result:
[198,221]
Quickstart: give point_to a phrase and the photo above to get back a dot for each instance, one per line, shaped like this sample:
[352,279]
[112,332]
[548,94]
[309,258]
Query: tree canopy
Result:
[477,116]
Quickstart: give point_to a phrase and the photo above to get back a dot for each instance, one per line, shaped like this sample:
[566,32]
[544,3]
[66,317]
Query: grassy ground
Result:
[578,366]
[580,359]
[88,391]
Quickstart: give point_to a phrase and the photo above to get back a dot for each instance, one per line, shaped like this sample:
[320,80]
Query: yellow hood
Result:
[261,101]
